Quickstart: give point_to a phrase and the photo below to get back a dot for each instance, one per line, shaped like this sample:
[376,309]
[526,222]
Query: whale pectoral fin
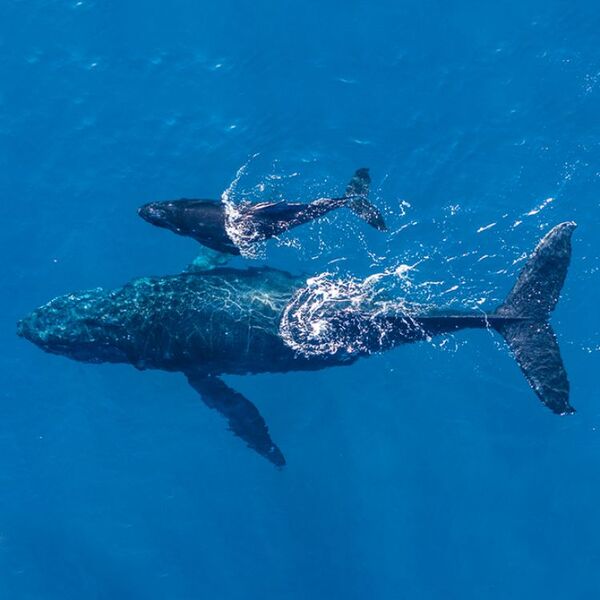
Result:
[242,416]
[207,260]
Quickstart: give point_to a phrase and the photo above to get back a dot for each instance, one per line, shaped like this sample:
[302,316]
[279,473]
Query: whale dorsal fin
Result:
[207,260]
[242,416]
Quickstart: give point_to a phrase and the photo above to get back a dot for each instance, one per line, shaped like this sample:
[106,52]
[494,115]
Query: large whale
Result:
[230,228]
[232,321]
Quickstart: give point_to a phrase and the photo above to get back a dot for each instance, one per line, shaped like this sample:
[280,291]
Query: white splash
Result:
[486,227]
[540,207]
[343,316]
[240,228]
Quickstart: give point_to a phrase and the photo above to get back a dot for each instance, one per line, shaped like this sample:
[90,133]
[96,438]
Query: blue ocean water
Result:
[431,471]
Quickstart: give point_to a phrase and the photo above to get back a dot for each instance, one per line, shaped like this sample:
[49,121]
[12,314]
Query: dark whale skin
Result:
[225,226]
[229,321]
[221,321]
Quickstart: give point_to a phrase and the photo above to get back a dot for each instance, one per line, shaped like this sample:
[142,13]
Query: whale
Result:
[222,321]
[230,229]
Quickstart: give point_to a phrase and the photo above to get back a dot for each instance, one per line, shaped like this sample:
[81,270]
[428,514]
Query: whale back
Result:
[223,320]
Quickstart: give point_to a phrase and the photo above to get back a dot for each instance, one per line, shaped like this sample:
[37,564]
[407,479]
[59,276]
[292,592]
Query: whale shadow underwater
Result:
[232,228]
[229,321]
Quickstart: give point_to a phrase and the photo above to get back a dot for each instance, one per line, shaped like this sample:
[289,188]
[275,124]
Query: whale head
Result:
[163,214]
[184,216]
[81,326]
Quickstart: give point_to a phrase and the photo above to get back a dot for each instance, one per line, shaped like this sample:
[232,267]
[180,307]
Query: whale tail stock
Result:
[523,318]
[357,192]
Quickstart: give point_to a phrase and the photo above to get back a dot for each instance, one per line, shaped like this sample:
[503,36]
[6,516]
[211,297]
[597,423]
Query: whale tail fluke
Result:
[358,191]
[531,300]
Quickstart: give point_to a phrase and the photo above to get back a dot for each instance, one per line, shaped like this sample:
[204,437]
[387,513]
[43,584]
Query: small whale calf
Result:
[227,228]
[206,324]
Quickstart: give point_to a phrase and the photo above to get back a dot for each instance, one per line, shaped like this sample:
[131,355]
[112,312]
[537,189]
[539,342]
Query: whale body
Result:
[229,228]
[230,321]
